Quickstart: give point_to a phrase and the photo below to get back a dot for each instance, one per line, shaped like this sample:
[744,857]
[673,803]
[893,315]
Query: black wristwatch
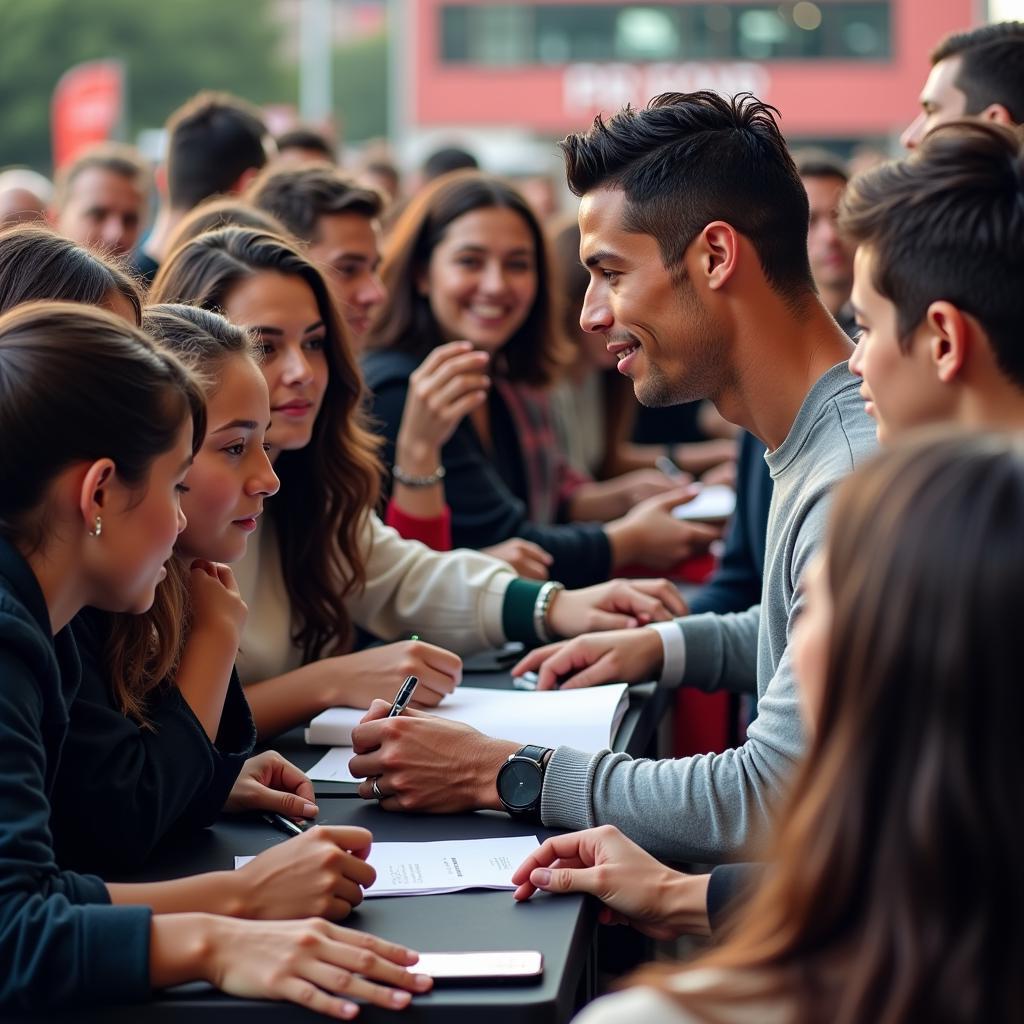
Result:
[520,781]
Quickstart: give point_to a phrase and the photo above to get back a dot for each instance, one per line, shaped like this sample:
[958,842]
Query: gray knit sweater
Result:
[708,807]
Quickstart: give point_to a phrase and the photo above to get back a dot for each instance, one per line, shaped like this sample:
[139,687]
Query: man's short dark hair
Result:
[446,160]
[947,223]
[687,159]
[820,163]
[298,197]
[991,66]
[115,157]
[306,138]
[212,141]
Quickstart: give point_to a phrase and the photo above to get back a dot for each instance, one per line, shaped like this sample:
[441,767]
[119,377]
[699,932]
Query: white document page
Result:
[333,766]
[426,869]
[586,719]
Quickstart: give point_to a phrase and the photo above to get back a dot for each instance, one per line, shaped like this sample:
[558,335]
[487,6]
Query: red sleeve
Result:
[436,533]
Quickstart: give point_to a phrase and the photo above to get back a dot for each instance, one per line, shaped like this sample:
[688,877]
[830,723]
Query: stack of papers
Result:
[586,719]
[427,869]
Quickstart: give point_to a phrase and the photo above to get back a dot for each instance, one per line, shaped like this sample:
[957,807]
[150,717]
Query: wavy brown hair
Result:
[896,891]
[406,323]
[328,487]
[143,651]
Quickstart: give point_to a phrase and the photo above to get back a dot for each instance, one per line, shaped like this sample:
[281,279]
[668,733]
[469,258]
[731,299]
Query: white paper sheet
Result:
[450,865]
[333,766]
[586,719]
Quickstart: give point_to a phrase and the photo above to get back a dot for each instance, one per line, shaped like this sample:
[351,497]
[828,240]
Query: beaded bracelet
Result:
[418,481]
[545,596]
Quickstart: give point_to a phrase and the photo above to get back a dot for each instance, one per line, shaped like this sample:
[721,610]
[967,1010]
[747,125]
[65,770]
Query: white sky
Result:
[1006,10]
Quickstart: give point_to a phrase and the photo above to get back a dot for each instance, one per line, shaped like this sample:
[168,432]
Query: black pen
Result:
[279,821]
[403,698]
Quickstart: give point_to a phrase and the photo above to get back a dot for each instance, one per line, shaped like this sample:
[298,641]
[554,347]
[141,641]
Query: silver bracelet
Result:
[417,481]
[545,596]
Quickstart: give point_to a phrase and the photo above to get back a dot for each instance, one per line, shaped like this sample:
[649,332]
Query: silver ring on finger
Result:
[376,789]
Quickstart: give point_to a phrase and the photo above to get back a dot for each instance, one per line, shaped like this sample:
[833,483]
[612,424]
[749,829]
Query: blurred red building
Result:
[840,71]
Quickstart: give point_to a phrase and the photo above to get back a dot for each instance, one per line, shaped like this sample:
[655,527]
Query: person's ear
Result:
[160,180]
[948,337]
[997,114]
[717,253]
[93,494]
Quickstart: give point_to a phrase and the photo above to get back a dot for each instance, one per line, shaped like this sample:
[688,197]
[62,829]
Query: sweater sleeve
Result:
[61,943]
[150,780]
[720,802]
[484,510]
[436,533]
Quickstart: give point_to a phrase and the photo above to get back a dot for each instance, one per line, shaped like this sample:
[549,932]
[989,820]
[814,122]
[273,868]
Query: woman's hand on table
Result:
[617,604]
[650,535]
[634,887]
[313,963]
[320,873]
[618,656]
[377,672]
[529,560]
[270,782]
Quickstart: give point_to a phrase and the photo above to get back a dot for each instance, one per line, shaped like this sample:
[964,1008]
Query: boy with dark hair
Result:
[303,146]
[694,229]
[100,198]
[937,281]
[979,73]
[338,221]
[216,143]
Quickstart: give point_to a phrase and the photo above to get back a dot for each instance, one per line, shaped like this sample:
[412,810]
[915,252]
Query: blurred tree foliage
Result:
[170,49]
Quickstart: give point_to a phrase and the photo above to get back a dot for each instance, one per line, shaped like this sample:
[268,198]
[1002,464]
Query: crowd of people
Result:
[254,443]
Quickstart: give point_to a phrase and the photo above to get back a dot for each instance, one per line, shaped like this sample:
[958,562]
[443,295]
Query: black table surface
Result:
[562,928]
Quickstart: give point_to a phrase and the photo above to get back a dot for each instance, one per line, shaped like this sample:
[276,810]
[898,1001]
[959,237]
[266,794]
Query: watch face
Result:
[519,783]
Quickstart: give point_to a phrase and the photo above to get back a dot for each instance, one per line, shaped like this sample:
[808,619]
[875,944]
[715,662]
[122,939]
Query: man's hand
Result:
[618,604]
[427,764]
[635,888]
[619,656]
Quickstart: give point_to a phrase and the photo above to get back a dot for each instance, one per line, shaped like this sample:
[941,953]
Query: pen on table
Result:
[279,821]
[404,696]
[668,467]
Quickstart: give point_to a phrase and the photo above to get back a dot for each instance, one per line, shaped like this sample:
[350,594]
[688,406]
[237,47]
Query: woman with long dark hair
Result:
[320,563]
[468,261]
[893,891]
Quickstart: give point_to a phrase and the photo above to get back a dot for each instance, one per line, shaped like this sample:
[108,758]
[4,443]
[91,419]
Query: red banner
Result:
[87,106]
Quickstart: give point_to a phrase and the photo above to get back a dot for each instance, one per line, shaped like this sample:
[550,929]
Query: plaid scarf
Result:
[550,480]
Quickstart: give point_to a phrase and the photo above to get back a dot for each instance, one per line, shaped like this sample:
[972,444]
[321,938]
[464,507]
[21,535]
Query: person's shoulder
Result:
[636,1004]
[857,427]
[387,368]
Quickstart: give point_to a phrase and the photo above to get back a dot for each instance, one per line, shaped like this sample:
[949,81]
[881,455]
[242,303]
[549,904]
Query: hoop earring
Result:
[97,528]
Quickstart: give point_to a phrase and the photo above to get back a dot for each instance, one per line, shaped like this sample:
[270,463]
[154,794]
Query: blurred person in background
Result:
[445,160]
[338,223]
[101,197]
[216,143]
[468,262]
[25,196]
[978,73]
[303,146]
[824,178]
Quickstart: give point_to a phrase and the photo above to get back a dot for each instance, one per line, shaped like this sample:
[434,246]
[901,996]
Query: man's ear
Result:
[948,337]
[93,492]
[242,181]
[998,114]
[716,250]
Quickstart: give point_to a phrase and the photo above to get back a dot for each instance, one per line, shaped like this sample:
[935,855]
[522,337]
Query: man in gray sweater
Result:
[694,229]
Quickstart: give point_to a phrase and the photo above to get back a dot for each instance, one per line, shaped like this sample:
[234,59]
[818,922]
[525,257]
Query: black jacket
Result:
[486,491]
[61,943]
